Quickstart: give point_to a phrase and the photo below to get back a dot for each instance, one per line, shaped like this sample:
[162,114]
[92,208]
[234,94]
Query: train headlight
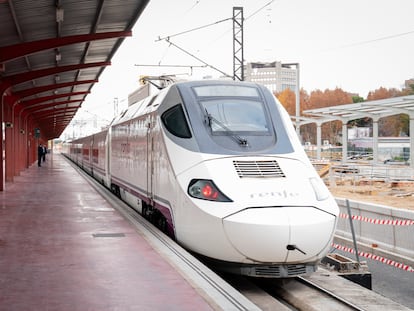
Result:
[206,190]
[321,191]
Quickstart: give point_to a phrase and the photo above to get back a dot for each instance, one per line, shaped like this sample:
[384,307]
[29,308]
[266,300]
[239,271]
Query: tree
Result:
[383,93]
[328,98]
[288,100]
[319,99]
[357,99]
[363,122]
[394,125]
[408,91]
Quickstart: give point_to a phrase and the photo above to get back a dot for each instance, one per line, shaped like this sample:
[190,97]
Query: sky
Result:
[356,45]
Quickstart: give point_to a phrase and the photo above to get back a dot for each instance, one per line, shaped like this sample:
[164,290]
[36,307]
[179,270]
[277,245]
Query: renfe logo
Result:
[276,194]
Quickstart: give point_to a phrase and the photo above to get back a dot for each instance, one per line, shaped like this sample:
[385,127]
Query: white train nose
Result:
[278,234]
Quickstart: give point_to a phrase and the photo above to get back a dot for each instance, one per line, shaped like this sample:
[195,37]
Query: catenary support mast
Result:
[238,57]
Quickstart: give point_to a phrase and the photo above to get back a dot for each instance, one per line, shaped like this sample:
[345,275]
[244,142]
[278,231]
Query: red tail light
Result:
[206,190]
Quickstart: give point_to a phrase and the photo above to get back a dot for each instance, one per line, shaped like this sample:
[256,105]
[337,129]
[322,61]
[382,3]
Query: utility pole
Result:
[238,55]
[115,106]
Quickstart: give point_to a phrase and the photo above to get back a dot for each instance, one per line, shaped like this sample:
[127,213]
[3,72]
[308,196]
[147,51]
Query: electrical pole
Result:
[115,106]
[238,56]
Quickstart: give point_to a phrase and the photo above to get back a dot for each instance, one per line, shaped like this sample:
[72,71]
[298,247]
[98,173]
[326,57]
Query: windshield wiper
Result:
[241,141]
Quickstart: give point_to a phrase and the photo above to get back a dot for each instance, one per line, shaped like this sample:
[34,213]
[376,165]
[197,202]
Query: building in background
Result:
[408,83]
[274,75]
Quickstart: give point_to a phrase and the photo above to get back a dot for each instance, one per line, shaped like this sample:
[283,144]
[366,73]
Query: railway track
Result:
[324,290]
[329,294]
[292,294]
[305,295]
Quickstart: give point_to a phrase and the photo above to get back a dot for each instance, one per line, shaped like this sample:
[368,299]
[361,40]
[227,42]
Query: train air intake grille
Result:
[278,271]
[258,169]
[296,269]
[268,271]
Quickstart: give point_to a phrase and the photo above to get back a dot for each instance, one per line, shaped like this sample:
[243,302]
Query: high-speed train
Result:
[218,166]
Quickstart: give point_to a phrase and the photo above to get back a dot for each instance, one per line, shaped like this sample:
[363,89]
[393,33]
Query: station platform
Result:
[64,247]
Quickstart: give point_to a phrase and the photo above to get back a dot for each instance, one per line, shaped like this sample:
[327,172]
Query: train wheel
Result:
[144,210]
[147,212]
[155,217]
[162,223]
[115,190]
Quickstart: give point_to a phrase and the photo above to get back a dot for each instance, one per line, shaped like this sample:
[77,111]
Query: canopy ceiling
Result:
[53,52]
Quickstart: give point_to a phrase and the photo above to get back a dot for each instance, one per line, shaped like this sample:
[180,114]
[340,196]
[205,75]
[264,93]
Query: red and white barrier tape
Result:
[405,222]
[375,257]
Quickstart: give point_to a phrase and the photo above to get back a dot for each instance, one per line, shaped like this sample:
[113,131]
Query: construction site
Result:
[390,185]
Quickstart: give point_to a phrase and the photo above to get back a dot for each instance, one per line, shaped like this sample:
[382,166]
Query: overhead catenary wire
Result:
[192,7]
[215,23]
[197,58]
[167,38]
[260,9]
[245,19]
[164,54]
[194,29]
[377,39]
[172,66]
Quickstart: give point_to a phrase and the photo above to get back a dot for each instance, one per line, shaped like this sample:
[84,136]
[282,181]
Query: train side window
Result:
[175,122]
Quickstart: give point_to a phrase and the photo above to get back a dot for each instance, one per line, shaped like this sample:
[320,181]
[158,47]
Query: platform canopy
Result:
[51,55]
[53,52]
[375,109]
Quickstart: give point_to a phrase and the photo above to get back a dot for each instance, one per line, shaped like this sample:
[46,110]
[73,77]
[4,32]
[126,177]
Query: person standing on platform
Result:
[39,154]
[44,153]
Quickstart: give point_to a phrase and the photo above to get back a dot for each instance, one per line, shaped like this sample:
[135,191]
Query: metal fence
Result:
[358,173]
[380,229]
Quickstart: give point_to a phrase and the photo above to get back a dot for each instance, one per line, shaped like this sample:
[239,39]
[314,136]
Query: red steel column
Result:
[2,94]
[32,142]
[3,91]
[10,157]
[19,142]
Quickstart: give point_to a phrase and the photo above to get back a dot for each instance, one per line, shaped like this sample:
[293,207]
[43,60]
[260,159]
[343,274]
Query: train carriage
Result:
[219,167]
[98,156]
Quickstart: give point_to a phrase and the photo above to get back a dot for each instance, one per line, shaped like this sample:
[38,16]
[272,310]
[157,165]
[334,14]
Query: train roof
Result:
[151,103]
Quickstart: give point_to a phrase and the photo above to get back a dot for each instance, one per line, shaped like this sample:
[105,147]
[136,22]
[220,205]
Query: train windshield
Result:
[233,108]
[235,115]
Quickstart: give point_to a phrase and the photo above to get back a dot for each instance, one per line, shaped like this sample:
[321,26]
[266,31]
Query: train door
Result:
[150,162]
[108,144]
[91,154]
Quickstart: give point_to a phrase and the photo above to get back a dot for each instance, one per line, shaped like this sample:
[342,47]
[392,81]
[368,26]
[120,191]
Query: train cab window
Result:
[236,115]
[175,122]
